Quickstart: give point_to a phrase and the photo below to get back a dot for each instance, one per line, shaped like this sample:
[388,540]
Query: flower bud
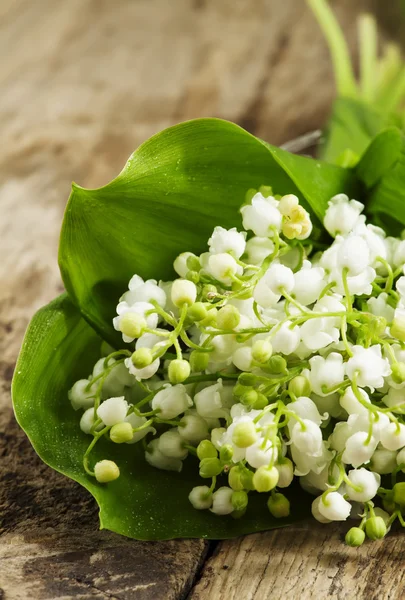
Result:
[287,204]
[228,317]
[398,372]
[235,478]
[197,312]
[247,379]
[247,479]
[261,351]
[106,470]
[201,497]
[209,291]
[211,319]
[244,434]
[121,433]
[206,449]
[226,453]
[265,479]
[210,467]
[193,276]
[249,397]
[265,190]
[388,503]
[278,505]
[299,386]
[260,402]
[355,537]
[132,324]
[183,292]
[239,500]
[399,493]
[239,390]
[193,262]
[398,325]
[142,358]
[277,364]
[193,428]
[180,264]
[376,528]
[285,473]
[238,514]
[179,370]
[199,361]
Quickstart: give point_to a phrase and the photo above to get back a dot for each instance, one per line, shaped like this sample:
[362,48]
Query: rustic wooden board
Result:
[83,82]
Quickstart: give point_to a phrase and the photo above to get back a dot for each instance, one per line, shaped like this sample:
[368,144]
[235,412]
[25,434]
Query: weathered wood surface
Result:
[83,82]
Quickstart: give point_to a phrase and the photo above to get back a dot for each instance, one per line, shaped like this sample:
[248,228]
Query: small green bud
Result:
[244,434]
[247,479]
[199,361]
[388,503]
[266,191]
[209,291]
[377,326]
[265,479]
[249,195]
[238,514]
[277,364]
[262,351]
[299,386]
[261,401]
[278,505]
[235,479]
[399,493]
[355,537]
[226,453]
[142,358]
[239,390]
[193,263]
[210,467]
[193,276]
[179,370]
[228,317]
[211,318]
[197,311]
[249,397]
[397,329]
[106,470]
[121,433]
[132,324]
[398,372]
[247,379]
[206,449]
[376,528]
[239,500]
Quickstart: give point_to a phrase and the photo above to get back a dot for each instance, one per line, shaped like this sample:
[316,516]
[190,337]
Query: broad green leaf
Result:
[352,126]
[170,195]
[144,503]
[381,155]
[386,198]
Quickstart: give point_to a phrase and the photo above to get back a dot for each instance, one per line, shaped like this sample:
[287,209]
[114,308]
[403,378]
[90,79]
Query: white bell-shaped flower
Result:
[368,481]
[145,372]
[383,461]
[352,405]
[392,437]
[374,238]
[136,422]
[193,428]
[334,507]
[144,291]
[81,395]
[307,437]
[138,308]
[158,460]
[316,513]
[309,281]
[87,421]
[368,365]
[257,249]
[222,501]
[180,264]
[227,240]
[261,216]
[342,215]
[113,411]
[171,401]
[394,398]
[208,401]
[223,267]
[380,308]
[201,497]
[278,278]
[354,255]
[286,340]
[261,454]
[264,296]
[359,449]
[326,372]
[172,444]
[305,408]
[339,436]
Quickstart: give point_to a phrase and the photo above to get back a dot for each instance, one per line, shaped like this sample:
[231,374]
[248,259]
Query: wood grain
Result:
[83,82]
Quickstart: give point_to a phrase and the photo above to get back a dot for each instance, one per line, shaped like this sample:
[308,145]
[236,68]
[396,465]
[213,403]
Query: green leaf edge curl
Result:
[194,172]
[144,503]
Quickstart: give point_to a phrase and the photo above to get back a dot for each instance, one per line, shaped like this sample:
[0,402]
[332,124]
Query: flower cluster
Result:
[270,358]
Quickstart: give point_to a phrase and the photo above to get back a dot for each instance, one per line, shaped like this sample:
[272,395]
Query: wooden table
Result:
[83,82]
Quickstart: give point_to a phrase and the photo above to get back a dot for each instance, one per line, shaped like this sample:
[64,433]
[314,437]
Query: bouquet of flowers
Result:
[229,355]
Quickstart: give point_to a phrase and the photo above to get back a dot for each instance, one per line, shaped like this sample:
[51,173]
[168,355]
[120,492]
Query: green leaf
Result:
[386,197]
[352,126]
[381,155]
[170,195]
[144,503]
